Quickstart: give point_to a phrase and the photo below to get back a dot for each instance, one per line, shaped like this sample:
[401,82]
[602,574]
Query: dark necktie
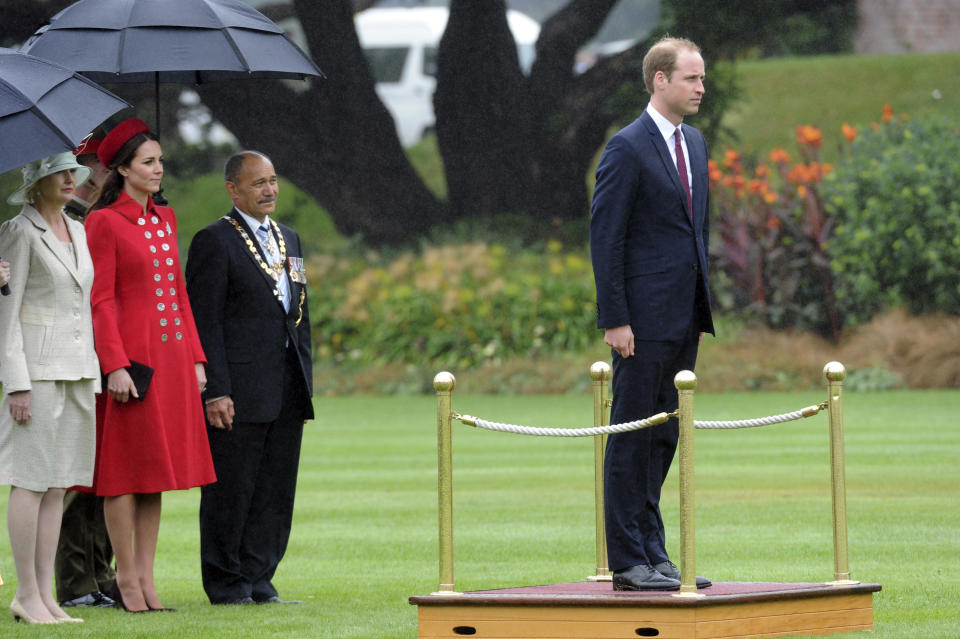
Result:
[682,169]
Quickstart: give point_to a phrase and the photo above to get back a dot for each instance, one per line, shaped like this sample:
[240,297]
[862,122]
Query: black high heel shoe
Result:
[117,597]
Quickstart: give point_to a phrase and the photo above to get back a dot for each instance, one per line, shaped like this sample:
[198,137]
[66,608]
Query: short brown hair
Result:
[662,56]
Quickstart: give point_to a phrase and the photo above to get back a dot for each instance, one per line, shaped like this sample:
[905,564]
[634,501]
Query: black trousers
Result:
[636,463]
[84,554]
[245,517]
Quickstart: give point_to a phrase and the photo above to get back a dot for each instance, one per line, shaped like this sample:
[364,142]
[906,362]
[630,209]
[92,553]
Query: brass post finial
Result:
[600,371]
[444,382]
[834,372]
[685,380]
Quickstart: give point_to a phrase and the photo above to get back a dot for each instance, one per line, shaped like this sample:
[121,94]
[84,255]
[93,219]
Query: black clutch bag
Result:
[141,374]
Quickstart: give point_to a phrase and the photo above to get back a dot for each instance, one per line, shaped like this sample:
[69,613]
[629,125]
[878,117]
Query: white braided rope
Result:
[638,424]
[567,432]
[751,423]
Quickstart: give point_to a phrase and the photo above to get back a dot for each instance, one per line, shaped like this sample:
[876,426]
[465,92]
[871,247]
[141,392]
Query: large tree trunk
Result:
[483,127]
[516,144]
[335,139]
[569,124]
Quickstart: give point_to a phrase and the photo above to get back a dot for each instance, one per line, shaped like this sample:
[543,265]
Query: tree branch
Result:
[334,139]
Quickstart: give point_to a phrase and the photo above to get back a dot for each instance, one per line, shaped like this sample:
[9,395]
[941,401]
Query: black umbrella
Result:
[186,41]
[45,108]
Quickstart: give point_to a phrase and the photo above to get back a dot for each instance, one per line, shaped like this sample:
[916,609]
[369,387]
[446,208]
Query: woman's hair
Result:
[30,195]
[113,185]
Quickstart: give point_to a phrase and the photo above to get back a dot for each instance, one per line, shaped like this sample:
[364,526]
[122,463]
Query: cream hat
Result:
[39,169]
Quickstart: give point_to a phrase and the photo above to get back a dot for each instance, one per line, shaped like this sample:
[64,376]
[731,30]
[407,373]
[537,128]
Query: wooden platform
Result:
[729,610]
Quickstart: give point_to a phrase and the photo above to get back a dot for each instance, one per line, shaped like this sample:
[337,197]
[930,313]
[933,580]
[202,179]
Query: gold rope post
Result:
[835,374]
[444,383]
[600,376]
[686,383]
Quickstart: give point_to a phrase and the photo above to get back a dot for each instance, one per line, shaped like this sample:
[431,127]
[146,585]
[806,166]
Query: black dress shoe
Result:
[239,601]
[667,569]
[643,577]
[277,600]
[90,600]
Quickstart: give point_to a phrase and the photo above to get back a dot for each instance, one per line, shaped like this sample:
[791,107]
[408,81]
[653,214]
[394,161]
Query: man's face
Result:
[680,94]
[255,190]
[90,190]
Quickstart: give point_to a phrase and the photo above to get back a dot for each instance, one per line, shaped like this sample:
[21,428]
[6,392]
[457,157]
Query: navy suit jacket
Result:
[243,327]
[649,260]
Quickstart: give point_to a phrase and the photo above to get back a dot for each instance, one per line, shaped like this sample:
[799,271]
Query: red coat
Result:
[141,312]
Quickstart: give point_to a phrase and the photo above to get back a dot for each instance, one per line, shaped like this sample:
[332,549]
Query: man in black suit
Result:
[247,286]
[648,241]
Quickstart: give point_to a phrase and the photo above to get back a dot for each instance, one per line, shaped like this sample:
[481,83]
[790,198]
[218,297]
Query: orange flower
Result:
[779,156]
[887,113]
[762,171]
[802,191]
[756,186]
[849,132]
[773,222]
[814,172]
[731,160]
[715,173]
[809,135]
[798,174]
[770,197]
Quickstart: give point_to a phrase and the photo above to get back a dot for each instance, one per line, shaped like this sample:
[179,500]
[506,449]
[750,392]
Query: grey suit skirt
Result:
[57,445]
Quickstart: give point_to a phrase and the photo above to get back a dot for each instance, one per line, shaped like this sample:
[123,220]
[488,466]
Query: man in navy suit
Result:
[648,240]
[247,287]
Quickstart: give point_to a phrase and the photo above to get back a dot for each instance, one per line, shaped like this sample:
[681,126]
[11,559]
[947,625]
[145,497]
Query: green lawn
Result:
[365,532]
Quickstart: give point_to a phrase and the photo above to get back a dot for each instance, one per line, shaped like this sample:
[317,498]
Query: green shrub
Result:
[768,237]
[897,236]
[873,378]
[452,306]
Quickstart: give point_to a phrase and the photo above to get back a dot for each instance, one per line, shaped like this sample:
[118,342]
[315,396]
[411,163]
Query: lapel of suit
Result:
[252,249]
[53,243]
[656,138]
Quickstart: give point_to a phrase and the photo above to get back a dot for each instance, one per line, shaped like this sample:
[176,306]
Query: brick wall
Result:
[901,26]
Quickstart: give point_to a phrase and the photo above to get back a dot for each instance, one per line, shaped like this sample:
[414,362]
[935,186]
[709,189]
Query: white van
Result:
[401,47]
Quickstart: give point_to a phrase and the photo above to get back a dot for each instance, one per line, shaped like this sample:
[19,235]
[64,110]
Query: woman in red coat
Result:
[157,441]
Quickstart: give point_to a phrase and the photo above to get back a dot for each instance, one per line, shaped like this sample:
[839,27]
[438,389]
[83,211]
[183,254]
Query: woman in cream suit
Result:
[50,375]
